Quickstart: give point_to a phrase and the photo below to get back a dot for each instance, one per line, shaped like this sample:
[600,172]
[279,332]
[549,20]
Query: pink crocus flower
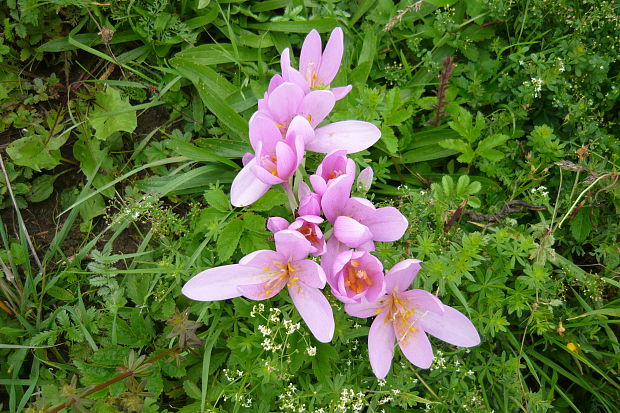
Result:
[356,221]
[334,165]
[276,160]
[264,273]
[309,202]
[317,67]
[356,275]
[288,100]
[306,225]
[405,316]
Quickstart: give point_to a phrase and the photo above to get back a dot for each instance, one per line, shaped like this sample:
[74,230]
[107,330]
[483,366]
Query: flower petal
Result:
[340,92]
[422,302]
[261,291]
[452,327]
[261,259]
[351,232]
[275,81]
[416,347]
[316,105]
[275,224]
[220,283]
[310,58]
[246,187]
[402,275]
[310,273]
[381,345]
[315,310]
[332,57]
[292,245]
[336,196]
[363,309]
[300,127]
[286,161]
[284,101]
[264,133]
[351,135]
[333,249]
[387,224]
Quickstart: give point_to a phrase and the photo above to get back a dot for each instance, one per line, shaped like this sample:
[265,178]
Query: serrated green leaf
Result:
[389,139]
[229,239]
[217,199]
[492,141]
[111,114]
[581,226]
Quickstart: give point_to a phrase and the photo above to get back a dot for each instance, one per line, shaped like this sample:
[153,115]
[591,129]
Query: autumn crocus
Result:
[356,275]
[276,159]
[334,165]
[405,316]
[317,67]
[264,273]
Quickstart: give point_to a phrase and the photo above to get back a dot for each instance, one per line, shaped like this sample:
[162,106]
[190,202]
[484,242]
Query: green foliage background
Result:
[126,122]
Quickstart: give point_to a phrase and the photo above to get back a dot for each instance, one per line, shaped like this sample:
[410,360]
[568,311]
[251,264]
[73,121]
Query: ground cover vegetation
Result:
[123,125]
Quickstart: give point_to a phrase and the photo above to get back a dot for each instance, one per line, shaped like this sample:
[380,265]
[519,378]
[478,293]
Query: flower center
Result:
[269,162]
[308,231]
[356,278]
[282,276]
[334,174]
[399,313]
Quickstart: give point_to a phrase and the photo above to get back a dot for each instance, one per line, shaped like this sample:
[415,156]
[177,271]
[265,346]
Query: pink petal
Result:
[275,224]
[286,161]
[359,208]
[284,101]
[363,309]
[333,249]
[266,176]
[310,58]
[452,327]
[318,183]
[220,283]
[315,310]
[340,92]
[422,301]
[401,275]
[316,105]
[247,158]
[332,57]
[301,127]
[303,190]
[246,187]
[262,259]
[310,273]
[261,291]
[351,232]
[292,245]
[387,224]
[275,81]
[263,131]
[417,348]
[364,179]
[351,135]
[335,196]
[381,345]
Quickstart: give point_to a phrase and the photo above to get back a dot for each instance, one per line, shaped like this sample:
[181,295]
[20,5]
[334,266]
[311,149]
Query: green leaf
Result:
[270,200]
[42,188]
[492,141]
[217,199]
[229,239]
[389,139]
[36,151]
[111,114]
[60,293]
[581,226]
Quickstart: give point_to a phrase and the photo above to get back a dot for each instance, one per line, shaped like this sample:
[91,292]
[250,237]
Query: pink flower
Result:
[357,223]
[276,158]
[288,100]
[306,225]
[334,165]
[405,316]
[356,275]
[309,202]
[317,67]
[264,273]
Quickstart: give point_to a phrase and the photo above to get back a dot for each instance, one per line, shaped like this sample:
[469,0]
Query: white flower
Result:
[311,351]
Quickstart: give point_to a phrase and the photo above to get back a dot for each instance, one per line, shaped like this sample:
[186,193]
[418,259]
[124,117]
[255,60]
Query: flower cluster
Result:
[285,126]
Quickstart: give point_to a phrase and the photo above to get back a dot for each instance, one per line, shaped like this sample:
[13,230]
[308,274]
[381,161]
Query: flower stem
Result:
[292,201]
